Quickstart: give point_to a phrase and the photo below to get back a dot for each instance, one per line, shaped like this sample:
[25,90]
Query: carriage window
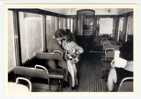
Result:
[70,24]
[106,25]
[31,34]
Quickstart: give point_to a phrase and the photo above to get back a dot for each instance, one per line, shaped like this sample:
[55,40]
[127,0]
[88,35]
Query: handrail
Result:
[25,79]
[123,80]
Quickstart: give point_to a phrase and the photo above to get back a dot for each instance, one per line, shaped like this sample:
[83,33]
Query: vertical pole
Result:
[57,23]
[125,27]
[44,33]
[17,38]
[116,26]
[66,23]
[126,35]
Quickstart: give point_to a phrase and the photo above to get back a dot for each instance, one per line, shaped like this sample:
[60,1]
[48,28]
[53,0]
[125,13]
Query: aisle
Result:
[91,74]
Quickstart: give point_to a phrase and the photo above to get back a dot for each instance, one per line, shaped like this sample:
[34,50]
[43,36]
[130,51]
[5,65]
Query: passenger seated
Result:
[71,53]
[122,66]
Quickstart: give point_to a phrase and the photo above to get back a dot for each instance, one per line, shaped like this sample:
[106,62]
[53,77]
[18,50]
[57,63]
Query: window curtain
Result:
[120,28]
[11,45]
[60,23]
[115,28]
[130,25]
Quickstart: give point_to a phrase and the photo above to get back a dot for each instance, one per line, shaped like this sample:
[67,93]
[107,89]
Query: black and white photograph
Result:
[70,49]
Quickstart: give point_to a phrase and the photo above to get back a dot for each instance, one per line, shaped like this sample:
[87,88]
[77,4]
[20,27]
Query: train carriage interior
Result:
[36,61]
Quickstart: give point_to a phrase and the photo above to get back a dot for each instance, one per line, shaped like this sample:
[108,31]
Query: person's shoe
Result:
[75,87]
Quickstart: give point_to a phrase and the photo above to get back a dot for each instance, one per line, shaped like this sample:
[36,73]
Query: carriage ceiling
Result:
[102,11]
